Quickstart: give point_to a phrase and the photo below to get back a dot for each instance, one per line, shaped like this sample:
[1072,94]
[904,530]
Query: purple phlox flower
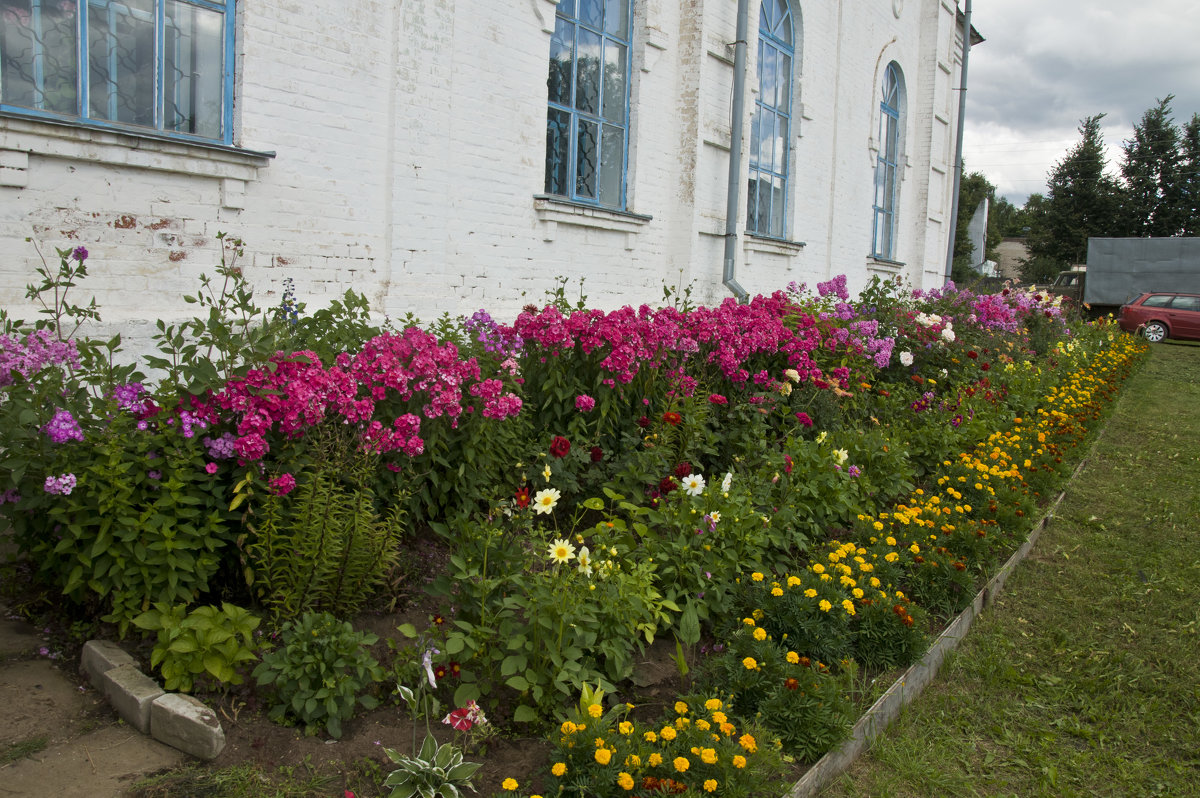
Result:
[80,254]
[220,448]
[61,485]
[154,474]
[63,427]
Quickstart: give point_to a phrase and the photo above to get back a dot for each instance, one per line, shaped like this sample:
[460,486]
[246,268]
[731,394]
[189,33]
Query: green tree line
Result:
[1157,193]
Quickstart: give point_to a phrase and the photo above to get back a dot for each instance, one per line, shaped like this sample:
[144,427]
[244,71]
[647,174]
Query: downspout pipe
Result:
[962,121]
[733,202]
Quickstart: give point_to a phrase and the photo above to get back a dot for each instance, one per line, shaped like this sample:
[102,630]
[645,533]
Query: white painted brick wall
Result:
[408,142]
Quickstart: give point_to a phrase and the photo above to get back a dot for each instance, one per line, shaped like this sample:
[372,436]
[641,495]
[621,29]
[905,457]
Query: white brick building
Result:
[401,148]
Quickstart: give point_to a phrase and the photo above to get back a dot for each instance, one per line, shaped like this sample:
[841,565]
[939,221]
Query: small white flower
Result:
[693,484]
[727,482]
[821,438]
[561,551]
[545,500]
[948,335]
[906,359]
[841,455]
[792,375]
[585,561]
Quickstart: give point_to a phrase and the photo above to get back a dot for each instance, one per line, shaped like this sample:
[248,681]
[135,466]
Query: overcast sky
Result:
[1047,64]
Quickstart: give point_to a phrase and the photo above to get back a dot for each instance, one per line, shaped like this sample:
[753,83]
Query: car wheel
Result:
[1154,331]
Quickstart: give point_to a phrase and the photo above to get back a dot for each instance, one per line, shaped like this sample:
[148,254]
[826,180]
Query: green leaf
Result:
[518,683]
[594,503]
[524,714]
[466,692]
[408,630]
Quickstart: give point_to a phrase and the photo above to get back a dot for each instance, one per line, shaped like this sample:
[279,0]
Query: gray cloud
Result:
[1046,65]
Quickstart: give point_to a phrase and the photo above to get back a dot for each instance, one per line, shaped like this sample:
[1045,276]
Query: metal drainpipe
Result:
[962,121]
[733,202]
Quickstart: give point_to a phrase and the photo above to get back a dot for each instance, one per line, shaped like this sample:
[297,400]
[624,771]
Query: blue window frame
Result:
[883,243]
[165,65]
[587,122]
[766,199]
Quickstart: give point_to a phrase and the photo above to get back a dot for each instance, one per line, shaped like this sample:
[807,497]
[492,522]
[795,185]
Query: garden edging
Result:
[175,719]
[913,681]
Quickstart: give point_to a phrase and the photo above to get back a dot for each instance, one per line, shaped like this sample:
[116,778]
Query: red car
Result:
[1162,315]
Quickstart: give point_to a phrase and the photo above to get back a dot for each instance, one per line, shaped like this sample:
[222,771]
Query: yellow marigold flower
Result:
[848,606]
[633,761]
[891,541]
[681,763]
[667,733]
[760,633]
[825,606]
[826,577]
[817,568]
[878,525]
[708,756]
[891,556]
[654,760]
[750,663]
[710,785]
[739,761]
[810,593]
[748,621]
[776,592]
[559,768]
[719,717]
[756,576]
[603,756]
[875,581]
[857,592]
[758,614]
[702,725]
[915,549]
[681,708]
[509,784]
[625,781]
[595,710]
[625,727]
[599,742]
[568,727]
[682,723]
[650,737]
[728,729]
[793,581]
[713,704]
[748,742]
[793,657]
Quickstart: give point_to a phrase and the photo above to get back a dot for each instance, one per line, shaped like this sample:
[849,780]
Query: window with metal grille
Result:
[767,197]
[163,65]
[587,122]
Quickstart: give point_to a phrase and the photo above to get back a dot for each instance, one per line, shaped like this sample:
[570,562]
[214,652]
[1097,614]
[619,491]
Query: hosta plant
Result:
[436,771]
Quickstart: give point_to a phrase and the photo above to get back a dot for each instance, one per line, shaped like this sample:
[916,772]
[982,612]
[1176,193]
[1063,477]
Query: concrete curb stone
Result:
[178,720]
[131,693]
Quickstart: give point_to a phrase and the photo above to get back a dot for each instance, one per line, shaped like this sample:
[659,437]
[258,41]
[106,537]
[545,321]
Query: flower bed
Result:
[788,491]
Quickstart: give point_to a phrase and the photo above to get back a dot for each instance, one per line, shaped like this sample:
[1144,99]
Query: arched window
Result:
[587,123]
[766,199]
[891,111]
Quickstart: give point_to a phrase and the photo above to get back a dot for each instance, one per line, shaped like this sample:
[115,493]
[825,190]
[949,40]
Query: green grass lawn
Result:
[1084,679]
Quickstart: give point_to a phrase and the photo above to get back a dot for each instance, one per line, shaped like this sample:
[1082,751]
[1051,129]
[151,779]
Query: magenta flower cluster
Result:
[61,485]
[626,340]
[63,427]
[585,403]
[379,390]
[38,350]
